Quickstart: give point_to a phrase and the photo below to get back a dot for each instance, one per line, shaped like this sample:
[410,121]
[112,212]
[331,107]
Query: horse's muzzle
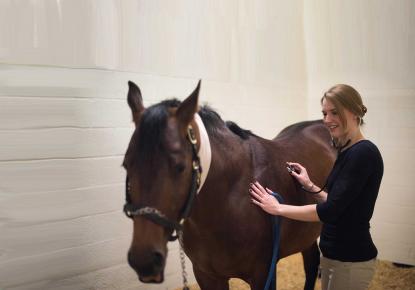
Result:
[149,266]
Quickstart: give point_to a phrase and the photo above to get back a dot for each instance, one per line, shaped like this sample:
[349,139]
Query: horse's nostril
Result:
[147,263]
[158,259]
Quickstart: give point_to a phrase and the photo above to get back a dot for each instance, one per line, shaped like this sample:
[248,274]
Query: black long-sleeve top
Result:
[352,189]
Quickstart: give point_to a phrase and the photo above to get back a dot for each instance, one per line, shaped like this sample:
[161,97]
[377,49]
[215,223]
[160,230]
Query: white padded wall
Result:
[65,124]
[63,134]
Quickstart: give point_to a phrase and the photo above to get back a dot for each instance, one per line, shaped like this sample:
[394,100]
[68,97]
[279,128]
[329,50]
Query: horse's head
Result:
[162,169]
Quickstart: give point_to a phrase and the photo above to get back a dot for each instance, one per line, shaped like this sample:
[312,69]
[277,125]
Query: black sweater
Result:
[352,188]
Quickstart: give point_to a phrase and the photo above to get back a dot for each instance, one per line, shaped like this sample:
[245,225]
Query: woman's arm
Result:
[268,203]
[320,196]
[300,173]
[306,213]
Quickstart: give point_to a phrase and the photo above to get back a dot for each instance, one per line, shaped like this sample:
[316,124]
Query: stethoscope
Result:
[290,168]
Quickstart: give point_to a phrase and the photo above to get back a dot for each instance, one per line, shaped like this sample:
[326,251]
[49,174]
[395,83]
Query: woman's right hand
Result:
[300,173]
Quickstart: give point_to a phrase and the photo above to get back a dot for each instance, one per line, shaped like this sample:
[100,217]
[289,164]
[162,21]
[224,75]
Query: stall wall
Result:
[65,123]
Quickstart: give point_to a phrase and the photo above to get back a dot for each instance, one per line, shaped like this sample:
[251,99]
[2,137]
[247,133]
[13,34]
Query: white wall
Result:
[63,133]
[64,122]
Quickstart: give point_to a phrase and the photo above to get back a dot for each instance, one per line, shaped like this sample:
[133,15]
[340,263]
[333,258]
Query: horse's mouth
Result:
[158,278]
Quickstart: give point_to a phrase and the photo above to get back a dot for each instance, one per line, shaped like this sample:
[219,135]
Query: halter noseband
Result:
[157,216]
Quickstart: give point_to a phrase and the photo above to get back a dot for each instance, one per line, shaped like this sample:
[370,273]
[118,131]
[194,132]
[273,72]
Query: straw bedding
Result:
[291,277]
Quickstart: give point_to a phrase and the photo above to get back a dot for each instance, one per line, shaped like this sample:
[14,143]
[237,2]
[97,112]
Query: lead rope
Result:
[271,282]
[183,261]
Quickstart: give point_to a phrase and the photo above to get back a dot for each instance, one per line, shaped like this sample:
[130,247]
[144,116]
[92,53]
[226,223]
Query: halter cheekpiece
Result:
[157,216]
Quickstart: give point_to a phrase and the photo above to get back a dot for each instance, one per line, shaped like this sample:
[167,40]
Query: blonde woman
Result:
[346,205]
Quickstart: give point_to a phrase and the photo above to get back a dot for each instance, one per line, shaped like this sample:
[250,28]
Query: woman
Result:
[345,206]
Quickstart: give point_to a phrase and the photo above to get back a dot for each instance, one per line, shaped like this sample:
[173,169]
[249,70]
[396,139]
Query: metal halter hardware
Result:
[157,216]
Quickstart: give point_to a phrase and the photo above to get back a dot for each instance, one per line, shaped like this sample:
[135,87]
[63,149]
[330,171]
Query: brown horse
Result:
[225,234]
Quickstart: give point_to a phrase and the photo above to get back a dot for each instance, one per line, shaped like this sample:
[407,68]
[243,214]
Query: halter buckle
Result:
[191,135]
[196,165]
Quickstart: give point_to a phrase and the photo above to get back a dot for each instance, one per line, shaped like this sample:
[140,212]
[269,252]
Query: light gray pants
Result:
[337,275]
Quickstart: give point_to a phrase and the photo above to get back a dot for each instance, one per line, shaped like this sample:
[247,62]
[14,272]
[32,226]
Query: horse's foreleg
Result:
[311,259]
[259,278]
[209,282]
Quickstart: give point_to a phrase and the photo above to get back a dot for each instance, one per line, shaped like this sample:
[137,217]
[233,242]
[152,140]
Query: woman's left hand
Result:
[263,198]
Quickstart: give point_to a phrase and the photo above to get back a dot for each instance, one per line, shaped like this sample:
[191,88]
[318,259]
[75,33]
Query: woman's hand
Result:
[263,198]
[300,173]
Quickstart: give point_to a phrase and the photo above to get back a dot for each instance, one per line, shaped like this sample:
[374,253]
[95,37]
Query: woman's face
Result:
[333,122]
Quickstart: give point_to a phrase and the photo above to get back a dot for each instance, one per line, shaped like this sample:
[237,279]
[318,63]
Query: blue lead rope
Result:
[272,275]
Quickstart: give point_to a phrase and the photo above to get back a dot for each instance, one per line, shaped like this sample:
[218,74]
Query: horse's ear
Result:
[135,101]
[189,107]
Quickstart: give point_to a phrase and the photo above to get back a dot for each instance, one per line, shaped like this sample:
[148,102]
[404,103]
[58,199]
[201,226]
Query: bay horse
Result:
[224,234]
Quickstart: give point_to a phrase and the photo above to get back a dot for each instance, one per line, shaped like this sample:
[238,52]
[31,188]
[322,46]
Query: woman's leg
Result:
[362,274]
[337,275]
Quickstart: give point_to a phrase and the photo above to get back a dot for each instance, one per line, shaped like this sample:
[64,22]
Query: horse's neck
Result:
[244,161]
[230,155]
[234,161]
[235,164]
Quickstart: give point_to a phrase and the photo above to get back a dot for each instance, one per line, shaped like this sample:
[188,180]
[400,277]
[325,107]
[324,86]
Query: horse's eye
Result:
[179,167]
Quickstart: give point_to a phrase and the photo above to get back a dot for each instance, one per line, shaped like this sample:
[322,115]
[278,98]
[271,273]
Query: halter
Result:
[157,216]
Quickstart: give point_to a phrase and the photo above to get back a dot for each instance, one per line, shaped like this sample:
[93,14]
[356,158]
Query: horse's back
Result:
[307,135]
[312,129]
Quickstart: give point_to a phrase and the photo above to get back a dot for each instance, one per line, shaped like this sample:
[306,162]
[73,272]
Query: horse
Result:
[224,234]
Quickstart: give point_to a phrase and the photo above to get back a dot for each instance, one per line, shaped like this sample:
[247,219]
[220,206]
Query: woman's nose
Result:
[327,118]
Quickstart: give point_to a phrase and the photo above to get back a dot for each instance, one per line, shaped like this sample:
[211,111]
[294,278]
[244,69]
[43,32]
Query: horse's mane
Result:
[151,129]
[153,124]
[212,121]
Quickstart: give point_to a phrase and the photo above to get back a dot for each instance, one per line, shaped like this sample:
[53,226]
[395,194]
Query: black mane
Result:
[243,133]
[151,129]
[212,121]
[153,125]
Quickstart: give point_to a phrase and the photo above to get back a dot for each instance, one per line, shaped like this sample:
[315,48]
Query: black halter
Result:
[157,216]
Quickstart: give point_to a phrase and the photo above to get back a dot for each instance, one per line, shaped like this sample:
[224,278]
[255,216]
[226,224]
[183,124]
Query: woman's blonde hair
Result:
[346,97]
